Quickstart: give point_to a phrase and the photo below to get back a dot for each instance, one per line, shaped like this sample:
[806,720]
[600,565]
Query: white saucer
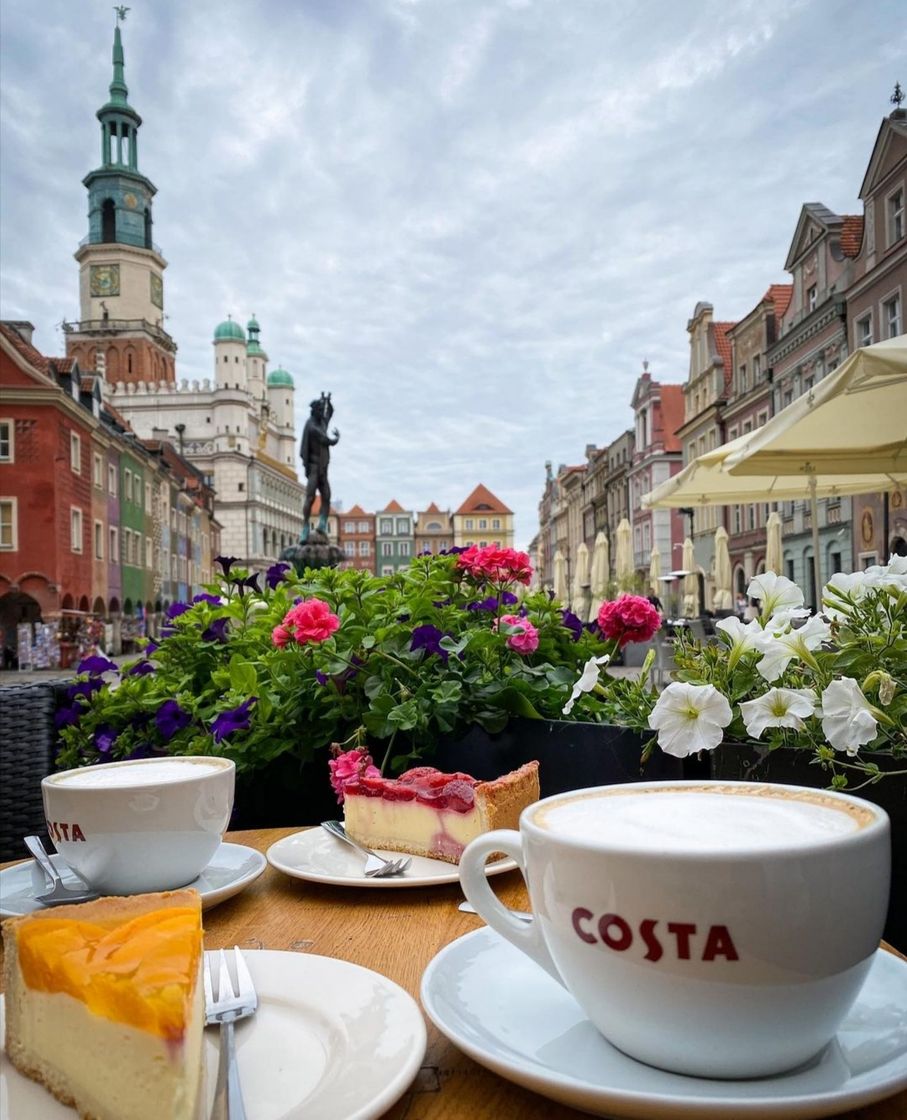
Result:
[308,1053]
[320,858]
[502,1010]
[233,868]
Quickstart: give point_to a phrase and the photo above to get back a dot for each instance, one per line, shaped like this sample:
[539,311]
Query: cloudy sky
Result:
[470,221]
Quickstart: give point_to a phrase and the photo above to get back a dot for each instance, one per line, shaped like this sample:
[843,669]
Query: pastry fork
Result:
[376,867]
[224,1009]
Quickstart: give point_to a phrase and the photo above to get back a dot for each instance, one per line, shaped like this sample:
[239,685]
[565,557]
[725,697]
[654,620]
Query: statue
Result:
[315,452]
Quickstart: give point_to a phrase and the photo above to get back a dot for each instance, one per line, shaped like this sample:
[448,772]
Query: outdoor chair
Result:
[27,745]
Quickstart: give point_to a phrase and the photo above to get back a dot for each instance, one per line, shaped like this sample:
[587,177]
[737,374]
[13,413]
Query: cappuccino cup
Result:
[716,929]
[145,825]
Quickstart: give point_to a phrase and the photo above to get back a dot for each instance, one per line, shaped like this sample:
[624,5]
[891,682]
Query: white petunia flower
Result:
[779,707]
[847,720]
[774,592]
[588,679]
[690,718]
[743,636]
[779,648]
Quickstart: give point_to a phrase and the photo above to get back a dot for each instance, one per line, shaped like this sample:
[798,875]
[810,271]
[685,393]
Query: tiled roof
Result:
[780,295]
[671,415]
[483,498]
[117,416]
[851,234]
[393,506]
[723,347]
[433,509]
[357,511]
[29,353]
[62,365]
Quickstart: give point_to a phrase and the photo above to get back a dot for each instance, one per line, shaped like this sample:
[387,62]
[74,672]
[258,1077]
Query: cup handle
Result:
[526,936]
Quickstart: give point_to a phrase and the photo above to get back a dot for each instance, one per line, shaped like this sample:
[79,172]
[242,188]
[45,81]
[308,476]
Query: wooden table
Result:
[396,933]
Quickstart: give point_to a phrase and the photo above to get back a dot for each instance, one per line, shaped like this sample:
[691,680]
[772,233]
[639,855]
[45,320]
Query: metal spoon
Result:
[58,893]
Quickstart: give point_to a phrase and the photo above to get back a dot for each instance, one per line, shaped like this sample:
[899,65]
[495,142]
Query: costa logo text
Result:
[682,940]
[60,830]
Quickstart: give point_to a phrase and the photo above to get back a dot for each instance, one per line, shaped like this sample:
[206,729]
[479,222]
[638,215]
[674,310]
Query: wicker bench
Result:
[27,746]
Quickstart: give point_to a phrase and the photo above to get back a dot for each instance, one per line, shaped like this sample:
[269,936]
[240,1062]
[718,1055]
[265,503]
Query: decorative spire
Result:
[118,91]
[897,97]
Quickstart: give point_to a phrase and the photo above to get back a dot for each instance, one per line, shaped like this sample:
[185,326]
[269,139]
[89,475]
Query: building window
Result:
[7,441]
[403,548]
[9,536]
[757,368]
[127,486]
[148,497]
[349,526]
[483,523]
[112,480]
[97,471]
[75,528]
[365,548]
[496,523]
[812,297]
[741,377]
[891,316]
[113,545]
[864,330]
[387,570]
[402,528]
[362,527]
[75,453]
[789,564]
[387,528]
[896,216]
[149,552]
[349,548]
[98,540]
[387,548]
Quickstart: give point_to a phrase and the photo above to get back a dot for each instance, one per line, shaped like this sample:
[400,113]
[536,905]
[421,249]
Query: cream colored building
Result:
[483,519]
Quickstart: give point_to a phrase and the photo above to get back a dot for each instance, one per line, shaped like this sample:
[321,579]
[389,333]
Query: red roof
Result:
[29,353]
[433,509]
[358,511]
[672,415]
[851,234]
[393,506]
[482,498]
[780,295]
[723,346]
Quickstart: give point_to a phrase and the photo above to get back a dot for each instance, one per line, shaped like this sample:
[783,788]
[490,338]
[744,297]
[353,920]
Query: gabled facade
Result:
[434,530]
[394,538]
[483,519]
[357,538]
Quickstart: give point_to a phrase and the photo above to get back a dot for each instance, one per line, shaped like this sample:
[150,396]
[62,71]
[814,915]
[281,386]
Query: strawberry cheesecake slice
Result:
[425,812]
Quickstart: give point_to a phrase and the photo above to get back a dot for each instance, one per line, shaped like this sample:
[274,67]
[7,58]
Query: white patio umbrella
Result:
[773,556]
[654,570]
[560,577]
[690,582]
[623,561]
[580,581]
[852,424]
[722,599]
[600,575]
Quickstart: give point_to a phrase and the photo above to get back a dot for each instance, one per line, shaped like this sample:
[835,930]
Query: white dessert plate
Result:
[320,858]
[330,1041]
[232,869]
[506,1013]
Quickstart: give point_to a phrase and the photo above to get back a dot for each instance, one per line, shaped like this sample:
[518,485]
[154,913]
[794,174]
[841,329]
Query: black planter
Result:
[285,792]
[570,755]
[791,767]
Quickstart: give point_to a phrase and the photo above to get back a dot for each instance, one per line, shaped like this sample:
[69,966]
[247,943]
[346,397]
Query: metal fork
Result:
[376,867]
[225,1009]
[59,893]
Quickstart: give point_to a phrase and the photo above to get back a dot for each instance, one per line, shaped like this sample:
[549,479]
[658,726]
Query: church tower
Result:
[121,270]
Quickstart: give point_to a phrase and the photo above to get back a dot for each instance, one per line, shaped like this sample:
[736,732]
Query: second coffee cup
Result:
[714,929]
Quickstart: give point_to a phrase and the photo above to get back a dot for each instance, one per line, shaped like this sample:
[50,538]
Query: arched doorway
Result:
[68,603]
[16,609]
[84,604]
[98,607]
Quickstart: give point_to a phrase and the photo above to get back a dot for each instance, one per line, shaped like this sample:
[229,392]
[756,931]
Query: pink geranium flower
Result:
[309,621]
[631,618]
[350,766]
[526,640]
[497,565]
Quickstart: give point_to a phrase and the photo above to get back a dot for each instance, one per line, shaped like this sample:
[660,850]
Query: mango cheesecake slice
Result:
[105,1004]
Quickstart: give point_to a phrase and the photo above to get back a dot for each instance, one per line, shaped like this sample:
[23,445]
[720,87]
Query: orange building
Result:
[357,538]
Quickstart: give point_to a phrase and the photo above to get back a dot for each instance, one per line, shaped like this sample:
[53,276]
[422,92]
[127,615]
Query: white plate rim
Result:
[804,1106]
[447,872]
[210,897]
[279,959]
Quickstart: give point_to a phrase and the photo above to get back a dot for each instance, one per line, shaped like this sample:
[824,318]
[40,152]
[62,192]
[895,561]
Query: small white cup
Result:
[728,946]
[146,825]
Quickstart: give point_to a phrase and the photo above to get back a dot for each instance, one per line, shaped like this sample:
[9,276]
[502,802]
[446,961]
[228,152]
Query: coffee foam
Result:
[122,775]
[703,818]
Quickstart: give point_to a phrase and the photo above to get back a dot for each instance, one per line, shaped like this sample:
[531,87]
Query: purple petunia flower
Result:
[104,738]
[64,717]
[84,688]
[573,623]
[217,631]
[144,750]
[429,637]
[237,719]
[97,665]
[170,718]
[141,668]
[489,604]
[226,563]
[176,609]
[151,647]
[276,573]
[204,597]
[322,678]
[251,581]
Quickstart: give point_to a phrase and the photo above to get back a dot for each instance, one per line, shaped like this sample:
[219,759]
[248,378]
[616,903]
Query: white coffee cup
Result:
[717,929]
[145,825]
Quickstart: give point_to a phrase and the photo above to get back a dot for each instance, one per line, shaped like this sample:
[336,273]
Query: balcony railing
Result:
[137,244]
[118,326]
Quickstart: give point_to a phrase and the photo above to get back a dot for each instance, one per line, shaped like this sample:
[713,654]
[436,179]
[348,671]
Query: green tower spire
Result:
[118,92]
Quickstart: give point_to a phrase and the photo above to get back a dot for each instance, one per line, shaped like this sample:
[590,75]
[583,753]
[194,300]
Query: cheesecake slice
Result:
[105,1004]
[425,812]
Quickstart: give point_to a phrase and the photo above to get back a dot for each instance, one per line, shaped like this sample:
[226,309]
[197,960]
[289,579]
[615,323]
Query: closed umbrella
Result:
[654,570]
[690,582]
[560,577]
[773,557]
[600,575]
[722,598]
[623,562]
[580,581]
